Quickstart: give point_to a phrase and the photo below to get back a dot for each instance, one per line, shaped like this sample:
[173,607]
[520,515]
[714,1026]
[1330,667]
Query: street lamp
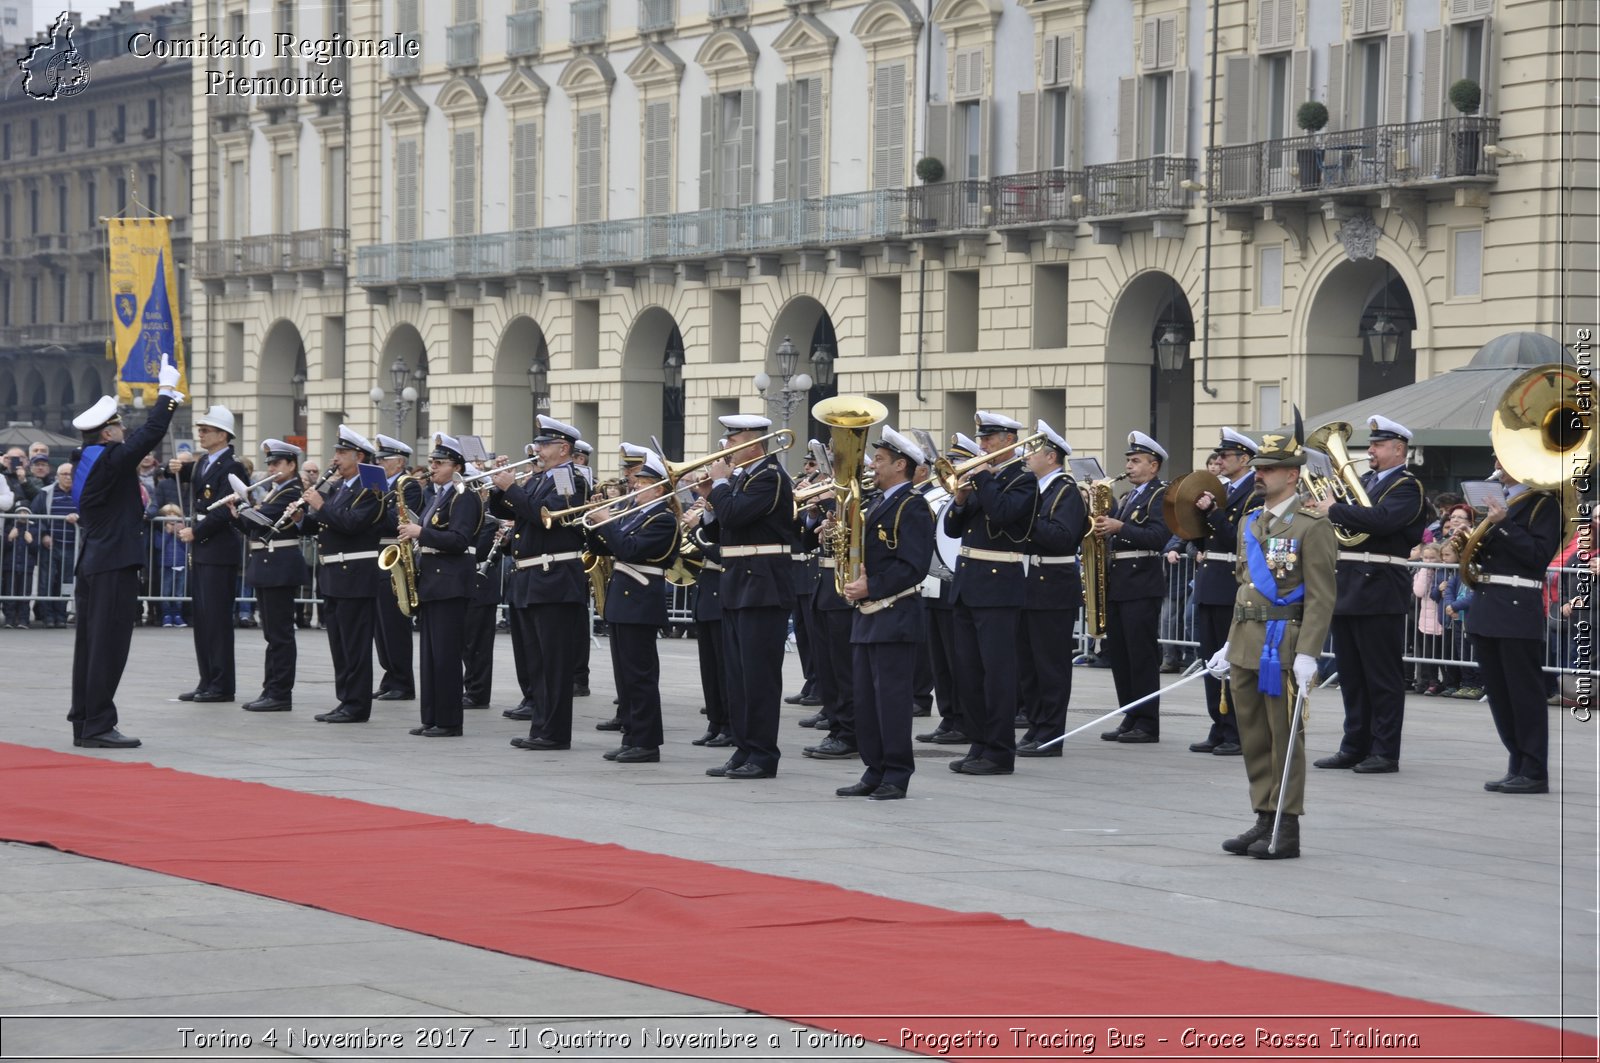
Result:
[672,402]
[1382,336]
[1172,348]
[822,366]
[405,398]
[795,388]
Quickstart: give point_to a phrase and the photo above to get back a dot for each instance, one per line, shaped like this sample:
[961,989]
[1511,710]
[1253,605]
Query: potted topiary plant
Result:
[1311,117]
[929,171]
[1466,97]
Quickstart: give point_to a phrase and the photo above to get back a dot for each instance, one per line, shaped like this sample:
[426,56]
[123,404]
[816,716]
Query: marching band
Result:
[980,553]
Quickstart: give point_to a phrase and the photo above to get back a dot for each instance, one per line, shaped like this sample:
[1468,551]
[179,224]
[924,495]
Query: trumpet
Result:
[264,482]
[298,504]
[489,474]
[953,477]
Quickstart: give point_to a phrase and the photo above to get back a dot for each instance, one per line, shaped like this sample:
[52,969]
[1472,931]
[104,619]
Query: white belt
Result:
[640,573]
[432,550]
[979,554]
[547,560]
[388,542]
[1123,555]
[868,608]
[276,544]
[799,556]
[1040,559]
[1512,581]
[710,566]
[360,555]
[756,550]
[827,562]
[1212,555]
[1373,559]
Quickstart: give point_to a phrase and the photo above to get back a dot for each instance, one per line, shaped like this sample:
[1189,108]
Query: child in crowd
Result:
[1429,629]
[174,567]
[1455,598]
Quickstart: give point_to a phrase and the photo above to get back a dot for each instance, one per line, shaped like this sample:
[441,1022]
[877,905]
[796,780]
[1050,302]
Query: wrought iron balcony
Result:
[524,33]
[729,8]
[461,45]
[1356,160]
[1139,186]
[406,66]
[228,106]
[588,22]
[952,206]
[309,249]
[57,334]
[657,16]
[1039,198]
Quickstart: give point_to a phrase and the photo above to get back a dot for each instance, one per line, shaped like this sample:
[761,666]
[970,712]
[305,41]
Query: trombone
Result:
[953,477]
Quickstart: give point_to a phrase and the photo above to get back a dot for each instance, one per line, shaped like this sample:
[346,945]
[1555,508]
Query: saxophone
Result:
[1096,558]
[400,559]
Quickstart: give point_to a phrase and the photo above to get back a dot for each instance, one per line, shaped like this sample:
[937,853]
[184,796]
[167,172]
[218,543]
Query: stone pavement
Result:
[1418,883]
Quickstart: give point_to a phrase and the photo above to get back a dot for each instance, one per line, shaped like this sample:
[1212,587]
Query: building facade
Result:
[619,210]
[122,146]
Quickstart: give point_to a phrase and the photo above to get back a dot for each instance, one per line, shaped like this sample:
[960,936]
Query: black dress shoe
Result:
[416,731]
[1521,784]
[1039,749]
[1378,765]
[860,789]
[211,696]
[394,695]
[1228,749]
[518,714]
[1138,736]
[1493,785]
[1240,845]
[638,755]
[188,695]
[539,743]
[957,766]
[1114,736]
[811,700]
[266,704]
[949,738]
[1206,746]
[339,716]
[922,710]
[1338,760]
[748,770]
[980,766]
[442,732]
[703,739]
[613,724]
[721,770]
[720,741]
[613,754]
[468,703]
[816,719]
[112,739]
[886,792]
[580,692]
[832,749]
[793,699]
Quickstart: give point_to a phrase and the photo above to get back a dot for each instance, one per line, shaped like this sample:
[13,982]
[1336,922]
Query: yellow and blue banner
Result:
[144,301]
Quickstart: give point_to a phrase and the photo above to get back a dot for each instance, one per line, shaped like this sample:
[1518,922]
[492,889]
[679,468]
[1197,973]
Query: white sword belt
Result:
[276,544]
[1042,559]
[546,560]
[640,573]
[1512,581]
[868,608]
[979,554]
[1212,555]
[755,550]
[360,555]
[1373,559]
[1123,555]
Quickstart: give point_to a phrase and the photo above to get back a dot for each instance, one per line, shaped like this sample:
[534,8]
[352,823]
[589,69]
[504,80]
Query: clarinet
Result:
[298,504]
[496,548]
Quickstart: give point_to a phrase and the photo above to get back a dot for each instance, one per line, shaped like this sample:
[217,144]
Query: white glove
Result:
[1218,664]
[168,378]
[1305,671]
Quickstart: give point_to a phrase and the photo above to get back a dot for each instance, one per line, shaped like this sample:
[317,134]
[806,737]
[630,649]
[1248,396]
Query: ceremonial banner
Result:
[144,301]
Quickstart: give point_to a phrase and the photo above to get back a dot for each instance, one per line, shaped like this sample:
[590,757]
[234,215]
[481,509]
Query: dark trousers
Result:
[752,647]
[394,645]
[212,587]
[804,631]
[882,674]
[638,672]
[1367,651]
[1132,644]
[551,632]
[53,567]
[477,650]
[922,673]
[276,606]
[1511,677]
[522,639]
[988,680]
[713,675]
[108,609]
[1042,641]
[1211,623]
[350,622]
[580,664]
[941,654]
[443,623]
[834,665]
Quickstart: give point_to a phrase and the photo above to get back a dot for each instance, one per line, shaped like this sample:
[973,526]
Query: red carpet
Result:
[793,949]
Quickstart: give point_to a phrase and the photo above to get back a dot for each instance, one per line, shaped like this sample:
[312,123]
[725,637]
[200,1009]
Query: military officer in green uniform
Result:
[1287,557]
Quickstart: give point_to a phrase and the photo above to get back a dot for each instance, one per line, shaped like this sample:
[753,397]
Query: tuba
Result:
[848,418]
[1544,439]
[400,559]
[1333,440]
[1096,556]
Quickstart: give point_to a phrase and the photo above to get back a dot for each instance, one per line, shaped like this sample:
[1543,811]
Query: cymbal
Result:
[1178,503]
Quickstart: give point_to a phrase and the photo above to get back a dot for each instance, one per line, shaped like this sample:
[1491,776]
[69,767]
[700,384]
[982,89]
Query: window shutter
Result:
[1266,25]
[1358,16]
[1483,7]
[1066,58]
[708,150]
[963,75]
[889,126]
[1460,9]
[815,132]
[466,11]
[525,176]
[1049,65]
[465,214]
[985,138]
[747,147]
[1486,72]
[1074,130]
[405,190]
[1236,103]
[1179,141]
[1335,87]
[1147,50]
[781,136]
[1378,12]
[1286,11]
[590,148]
[1299,77]
[1432,75]
[1127,119]
[975,73]
[658,159]
[1394,108]
[1167,41]
[406,16]
[938,142]
[1027,132]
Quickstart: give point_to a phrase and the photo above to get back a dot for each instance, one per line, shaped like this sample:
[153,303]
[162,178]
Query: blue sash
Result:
[1270,679]
[80,472]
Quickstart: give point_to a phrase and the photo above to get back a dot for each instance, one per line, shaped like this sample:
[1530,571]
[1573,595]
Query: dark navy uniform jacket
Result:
[1522,544]
[824,592]
[647,536]
[999,516]
[1214,582]
[280,566]
[708,580]
[1143,528]
[414,505]
[450,524]
[756,508]
[898,534]
[486,586]
[217,540]
[1394,523]
[559,582]
[348,522]
[110,511]
[1058,528]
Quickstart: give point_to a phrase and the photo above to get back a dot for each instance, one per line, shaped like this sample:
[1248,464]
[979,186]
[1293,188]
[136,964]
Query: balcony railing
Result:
[657,16]
[461,45]
[1040,197]
[1139,186]
[952,206]
[89,241]
[588,22]
[1357,159]
[58,333]
[228,106]
[729,8]
[524,33]
[309,249]
[407,66]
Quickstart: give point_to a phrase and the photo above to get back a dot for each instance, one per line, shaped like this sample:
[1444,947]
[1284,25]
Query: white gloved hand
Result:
[168,378]
[1305,671]
[1218,664]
